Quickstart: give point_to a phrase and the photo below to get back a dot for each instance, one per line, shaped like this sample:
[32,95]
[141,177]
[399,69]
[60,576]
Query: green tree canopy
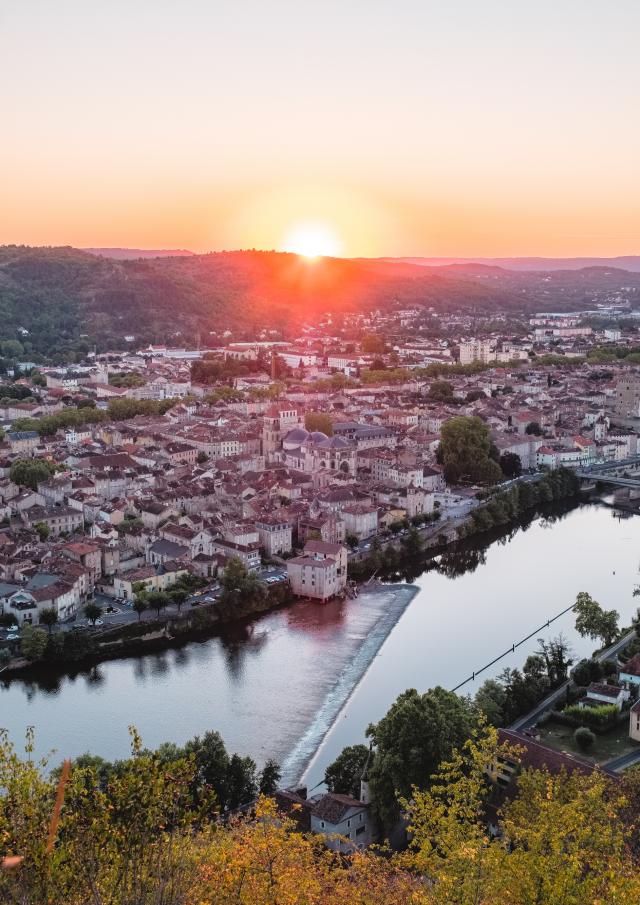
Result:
[30,472]
[416,734]
[594,622]
[440,391]
[238,584]
[93,612]
[319,421]
[48,617]
[511,464]
[33,642]
[346,771]
[466,451]
[372,344]
[43,530]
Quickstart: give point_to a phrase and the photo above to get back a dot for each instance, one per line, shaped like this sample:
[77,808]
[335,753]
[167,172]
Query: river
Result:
[299,684]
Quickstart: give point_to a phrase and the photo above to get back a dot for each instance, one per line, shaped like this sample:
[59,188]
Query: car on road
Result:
[12,637]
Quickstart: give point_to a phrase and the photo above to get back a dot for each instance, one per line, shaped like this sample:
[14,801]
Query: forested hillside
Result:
[70,299]
[67,300]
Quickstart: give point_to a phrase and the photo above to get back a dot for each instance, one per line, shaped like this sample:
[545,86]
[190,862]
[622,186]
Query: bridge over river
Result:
[622,473]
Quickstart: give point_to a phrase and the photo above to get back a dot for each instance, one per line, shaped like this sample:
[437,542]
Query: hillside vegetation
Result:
[69,300]
[149,831]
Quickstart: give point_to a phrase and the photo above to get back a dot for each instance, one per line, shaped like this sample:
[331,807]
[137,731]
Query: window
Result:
[360,830]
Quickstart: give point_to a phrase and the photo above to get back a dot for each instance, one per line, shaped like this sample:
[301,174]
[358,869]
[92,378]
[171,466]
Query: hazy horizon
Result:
[452,258]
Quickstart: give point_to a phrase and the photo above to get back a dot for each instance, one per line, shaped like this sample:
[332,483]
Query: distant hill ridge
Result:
[131,254]
[623,262]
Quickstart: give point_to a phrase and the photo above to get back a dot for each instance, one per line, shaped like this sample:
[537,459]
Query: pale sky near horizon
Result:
[403,127]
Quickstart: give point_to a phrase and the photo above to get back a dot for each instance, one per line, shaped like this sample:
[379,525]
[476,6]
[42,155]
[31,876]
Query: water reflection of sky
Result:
[260,684]
[269,684]
[497,596]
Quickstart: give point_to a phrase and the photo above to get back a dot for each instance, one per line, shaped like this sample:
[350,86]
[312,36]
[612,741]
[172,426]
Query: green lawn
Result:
[612,744]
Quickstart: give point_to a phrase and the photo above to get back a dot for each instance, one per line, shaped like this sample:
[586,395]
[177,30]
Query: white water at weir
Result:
[395,598]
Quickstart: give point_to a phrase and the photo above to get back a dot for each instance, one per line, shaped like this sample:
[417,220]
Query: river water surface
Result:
[301,683]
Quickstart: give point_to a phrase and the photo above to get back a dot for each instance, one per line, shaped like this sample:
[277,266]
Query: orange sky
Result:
[405,128]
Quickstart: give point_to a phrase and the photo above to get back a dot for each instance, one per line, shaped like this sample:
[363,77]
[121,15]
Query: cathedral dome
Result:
[295,438]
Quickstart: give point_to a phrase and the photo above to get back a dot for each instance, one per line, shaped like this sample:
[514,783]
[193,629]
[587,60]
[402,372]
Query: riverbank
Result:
[84,648]
[499,507]
[265,684]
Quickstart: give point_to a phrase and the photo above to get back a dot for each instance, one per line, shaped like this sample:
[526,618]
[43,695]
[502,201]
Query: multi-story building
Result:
[275,534]
[483,350]
[361,520]
[249,554]
[321,572]
[626,402]
[89,556]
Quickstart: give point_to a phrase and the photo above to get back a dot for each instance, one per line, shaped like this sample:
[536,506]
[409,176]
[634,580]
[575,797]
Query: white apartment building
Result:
[361,520]
[483,350]
[321,572]
[274,535]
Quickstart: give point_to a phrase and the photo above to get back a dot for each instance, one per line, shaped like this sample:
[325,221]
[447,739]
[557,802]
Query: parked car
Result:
[12,637]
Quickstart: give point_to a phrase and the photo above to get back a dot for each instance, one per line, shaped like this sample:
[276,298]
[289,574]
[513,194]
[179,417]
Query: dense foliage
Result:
[503,506]
[145,831]
[68,299]
[30,472]
[594,622]
[515,692]
[467,453]
[415,735]
[346,772]
[72,417]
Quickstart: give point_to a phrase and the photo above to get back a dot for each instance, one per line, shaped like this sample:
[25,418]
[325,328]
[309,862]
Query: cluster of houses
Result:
[242,475]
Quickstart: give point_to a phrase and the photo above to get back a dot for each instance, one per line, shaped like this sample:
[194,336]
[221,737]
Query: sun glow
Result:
[312,239]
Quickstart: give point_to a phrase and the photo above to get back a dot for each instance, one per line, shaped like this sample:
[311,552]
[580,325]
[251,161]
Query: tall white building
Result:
[483,350]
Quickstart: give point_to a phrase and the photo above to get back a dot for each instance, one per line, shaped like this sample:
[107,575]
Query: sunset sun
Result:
[312,239]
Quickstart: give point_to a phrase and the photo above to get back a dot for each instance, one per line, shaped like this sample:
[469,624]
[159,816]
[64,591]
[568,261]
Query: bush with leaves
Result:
[584,738]
[33,642]
[599,716]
